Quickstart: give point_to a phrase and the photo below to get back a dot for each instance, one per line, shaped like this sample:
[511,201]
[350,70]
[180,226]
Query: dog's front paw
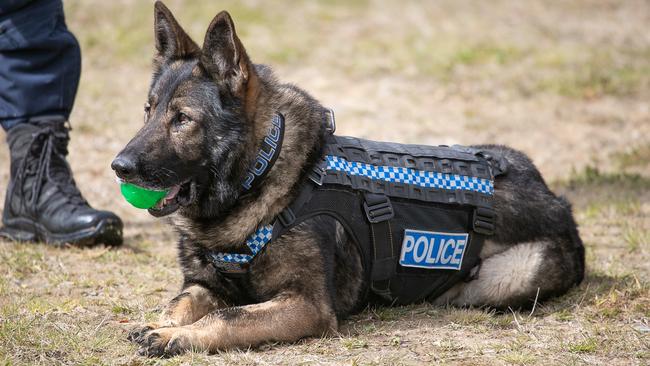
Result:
[164,342]
[137,333]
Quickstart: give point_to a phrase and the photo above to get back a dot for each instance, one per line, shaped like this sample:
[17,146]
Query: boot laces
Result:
[50,145]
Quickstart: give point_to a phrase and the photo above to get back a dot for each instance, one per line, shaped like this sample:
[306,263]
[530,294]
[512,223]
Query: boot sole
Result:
[107,232]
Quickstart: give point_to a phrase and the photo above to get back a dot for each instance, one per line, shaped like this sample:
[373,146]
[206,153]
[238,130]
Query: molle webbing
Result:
[425,173]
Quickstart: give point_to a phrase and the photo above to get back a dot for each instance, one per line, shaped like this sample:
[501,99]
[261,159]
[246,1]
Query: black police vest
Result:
[418,214]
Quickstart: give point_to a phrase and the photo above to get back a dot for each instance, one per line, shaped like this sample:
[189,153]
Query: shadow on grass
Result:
[601,296]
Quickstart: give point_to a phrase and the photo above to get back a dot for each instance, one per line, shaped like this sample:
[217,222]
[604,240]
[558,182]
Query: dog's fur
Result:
[208,110]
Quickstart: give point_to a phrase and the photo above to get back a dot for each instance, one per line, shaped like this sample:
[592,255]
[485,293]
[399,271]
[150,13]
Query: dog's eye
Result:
[183,118]
[147,109]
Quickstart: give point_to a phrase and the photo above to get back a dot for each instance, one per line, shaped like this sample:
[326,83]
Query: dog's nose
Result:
[124,167]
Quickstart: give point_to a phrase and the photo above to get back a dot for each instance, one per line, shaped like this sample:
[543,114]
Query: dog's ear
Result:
[223,54]
[171,40]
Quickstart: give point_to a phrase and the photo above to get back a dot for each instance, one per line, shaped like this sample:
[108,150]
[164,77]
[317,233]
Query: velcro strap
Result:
[483,221]
[377,207]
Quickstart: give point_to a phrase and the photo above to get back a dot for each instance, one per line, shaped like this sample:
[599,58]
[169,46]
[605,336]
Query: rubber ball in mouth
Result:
[141,197]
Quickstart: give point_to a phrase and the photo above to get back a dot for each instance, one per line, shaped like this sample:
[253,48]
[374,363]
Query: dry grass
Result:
[568,82]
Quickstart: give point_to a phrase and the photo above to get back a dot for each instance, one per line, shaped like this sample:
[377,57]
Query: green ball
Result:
[141,197]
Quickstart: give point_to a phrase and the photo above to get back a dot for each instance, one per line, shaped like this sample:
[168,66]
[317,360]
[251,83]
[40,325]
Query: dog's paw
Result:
[164,342]
[137,333]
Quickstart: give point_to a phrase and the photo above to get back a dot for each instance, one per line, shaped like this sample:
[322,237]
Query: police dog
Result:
[207,112]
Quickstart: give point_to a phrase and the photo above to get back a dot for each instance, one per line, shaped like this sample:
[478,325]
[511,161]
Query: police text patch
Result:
[433,250]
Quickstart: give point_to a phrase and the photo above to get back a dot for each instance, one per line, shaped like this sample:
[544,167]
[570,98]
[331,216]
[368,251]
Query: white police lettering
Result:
[433,250]
[420,243]
[268,151]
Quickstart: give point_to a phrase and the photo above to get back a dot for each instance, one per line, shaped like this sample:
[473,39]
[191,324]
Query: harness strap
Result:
[378,212]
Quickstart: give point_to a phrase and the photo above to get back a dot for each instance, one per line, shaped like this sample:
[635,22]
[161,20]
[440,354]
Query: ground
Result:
[567,82]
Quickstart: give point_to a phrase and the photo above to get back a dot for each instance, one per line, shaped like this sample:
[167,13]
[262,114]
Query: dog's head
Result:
[195,119]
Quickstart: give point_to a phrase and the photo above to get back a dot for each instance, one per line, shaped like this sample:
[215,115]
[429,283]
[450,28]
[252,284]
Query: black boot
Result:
[43,202]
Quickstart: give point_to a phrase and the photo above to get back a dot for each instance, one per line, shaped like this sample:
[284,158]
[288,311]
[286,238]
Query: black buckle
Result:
[332,121]
[317,174]
[287,217]
[229,269]
[483,220]
[377,207]
[382,289]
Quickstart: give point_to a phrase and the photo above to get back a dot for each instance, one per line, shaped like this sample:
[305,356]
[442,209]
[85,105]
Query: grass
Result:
[589,345]
[636,239]
[636,157]
[598,74]
[566,82]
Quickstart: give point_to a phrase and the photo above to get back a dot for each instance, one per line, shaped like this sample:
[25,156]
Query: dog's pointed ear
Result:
[223,54]
[171,40]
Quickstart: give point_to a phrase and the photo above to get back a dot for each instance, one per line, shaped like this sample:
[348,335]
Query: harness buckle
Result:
[377,207]
[287,217]
[228,269]
[483,220]
[332,121]
[317,174]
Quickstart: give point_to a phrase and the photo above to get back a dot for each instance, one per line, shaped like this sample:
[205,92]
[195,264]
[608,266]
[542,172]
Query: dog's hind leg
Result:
[518,275]
[190,305]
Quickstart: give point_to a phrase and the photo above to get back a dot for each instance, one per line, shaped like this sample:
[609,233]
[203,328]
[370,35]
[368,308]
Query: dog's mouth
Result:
[179,195]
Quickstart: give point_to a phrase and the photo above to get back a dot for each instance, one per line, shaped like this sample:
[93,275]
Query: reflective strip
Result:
[255,243]
[404,175]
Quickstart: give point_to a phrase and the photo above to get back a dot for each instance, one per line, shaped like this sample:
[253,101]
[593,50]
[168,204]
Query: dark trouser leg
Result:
[40,64]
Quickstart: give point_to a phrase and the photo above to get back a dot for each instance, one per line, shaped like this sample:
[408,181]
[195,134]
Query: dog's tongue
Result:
[173,191]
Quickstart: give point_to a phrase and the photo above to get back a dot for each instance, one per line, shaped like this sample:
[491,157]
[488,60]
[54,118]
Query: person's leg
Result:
[40,64]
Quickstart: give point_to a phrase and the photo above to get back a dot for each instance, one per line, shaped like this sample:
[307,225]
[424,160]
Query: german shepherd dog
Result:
[208,110]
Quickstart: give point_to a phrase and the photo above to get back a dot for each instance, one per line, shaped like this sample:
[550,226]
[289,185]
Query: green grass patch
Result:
[589,73]
[483,53]
[589,345]
[591,175]
[636,238]
[595,81]
[354,343]
[121,309]
[636,157]
[519,358]
[470,317]
[389,313]
[564,315]
[22,260]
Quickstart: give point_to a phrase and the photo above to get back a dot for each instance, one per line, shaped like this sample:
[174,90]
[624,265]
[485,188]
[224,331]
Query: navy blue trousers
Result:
[40,61]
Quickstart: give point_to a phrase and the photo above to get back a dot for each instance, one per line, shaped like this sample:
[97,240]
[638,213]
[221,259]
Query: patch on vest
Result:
[433,250]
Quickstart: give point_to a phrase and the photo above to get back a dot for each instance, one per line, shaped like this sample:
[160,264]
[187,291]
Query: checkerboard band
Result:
[410,176]
[255,243]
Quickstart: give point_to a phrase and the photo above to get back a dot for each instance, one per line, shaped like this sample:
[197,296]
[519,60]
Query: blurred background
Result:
[567,82]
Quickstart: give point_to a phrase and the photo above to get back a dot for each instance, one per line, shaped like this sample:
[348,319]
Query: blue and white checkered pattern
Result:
[255,242]
[411,176]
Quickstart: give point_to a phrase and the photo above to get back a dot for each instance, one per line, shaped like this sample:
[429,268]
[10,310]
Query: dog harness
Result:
[418,214]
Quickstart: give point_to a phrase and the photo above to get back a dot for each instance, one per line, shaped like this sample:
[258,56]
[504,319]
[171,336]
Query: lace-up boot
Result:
[43,202]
